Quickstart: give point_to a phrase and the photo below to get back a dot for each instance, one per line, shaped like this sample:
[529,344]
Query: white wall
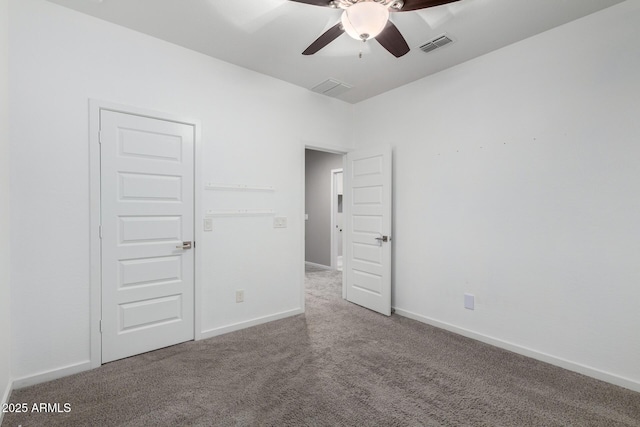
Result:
[517,179]
[253,128]
[5,327]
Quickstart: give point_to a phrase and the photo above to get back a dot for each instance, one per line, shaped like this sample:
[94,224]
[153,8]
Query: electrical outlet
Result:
[208,224]
[240,295]
[469,301]
[280,222]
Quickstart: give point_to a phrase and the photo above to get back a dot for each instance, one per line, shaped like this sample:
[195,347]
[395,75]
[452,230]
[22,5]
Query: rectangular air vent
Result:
[331,87]
[436,43]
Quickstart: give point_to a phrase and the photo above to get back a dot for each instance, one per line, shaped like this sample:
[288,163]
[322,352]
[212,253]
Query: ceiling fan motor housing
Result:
[365,20]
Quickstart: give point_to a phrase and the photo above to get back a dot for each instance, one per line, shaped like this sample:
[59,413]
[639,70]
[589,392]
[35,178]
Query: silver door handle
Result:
[184,245]
[383,239]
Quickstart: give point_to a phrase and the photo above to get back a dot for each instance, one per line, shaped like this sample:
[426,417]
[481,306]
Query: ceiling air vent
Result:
[331,87]
[434,44]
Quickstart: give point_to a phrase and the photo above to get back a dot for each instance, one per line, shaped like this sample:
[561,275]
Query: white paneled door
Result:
[367,201]
[147,202]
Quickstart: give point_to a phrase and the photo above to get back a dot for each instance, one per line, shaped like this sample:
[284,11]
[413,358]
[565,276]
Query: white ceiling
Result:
[268,36]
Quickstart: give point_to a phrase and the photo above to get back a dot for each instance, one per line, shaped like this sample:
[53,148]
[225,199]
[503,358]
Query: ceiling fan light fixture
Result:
[365,20]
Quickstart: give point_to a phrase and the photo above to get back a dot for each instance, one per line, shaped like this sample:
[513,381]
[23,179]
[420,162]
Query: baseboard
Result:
[210,333]
[5,398]
[53,374]
[321,266]
[525,351]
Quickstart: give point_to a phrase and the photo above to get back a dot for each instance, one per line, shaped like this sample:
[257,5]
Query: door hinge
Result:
[100,231]
[100,322]
[99,137]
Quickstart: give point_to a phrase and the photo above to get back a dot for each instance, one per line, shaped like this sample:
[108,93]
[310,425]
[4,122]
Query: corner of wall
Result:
[5,397]
[6,383]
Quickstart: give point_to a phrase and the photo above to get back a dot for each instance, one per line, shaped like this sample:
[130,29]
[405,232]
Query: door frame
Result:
[334,196]
[327,148]
[95,255]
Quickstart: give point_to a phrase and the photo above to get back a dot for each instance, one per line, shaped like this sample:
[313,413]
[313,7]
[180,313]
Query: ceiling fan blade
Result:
[314,2]
[391,39]
[330,35]
[410,5]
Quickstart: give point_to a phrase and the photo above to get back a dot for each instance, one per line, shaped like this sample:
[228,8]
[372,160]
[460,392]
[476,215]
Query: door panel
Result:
[367,196]
[149,271]
[149,229]
[147,212]
[147,187]
[367,253]
[368,219]
[363,224]
[139,144]
[153,312]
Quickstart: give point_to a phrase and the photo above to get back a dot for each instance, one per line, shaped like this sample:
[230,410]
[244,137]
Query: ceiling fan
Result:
[368,19]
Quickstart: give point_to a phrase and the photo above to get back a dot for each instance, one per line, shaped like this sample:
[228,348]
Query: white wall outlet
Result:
[306,217]
[469,301]
[208,224]
[240,295]
[280,222]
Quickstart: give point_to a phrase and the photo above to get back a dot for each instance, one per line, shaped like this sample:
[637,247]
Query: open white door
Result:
[147,204]
[337,192]
[367,201]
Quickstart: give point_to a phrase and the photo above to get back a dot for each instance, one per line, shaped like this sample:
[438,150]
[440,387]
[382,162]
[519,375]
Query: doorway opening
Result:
[322,238]
[366,221]
[323,209]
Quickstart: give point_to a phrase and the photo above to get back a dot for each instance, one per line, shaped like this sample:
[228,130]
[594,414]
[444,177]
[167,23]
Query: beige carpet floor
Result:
[337,365]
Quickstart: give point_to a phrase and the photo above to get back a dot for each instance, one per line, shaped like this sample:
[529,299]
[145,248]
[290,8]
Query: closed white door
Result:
[368,228]
[147,199]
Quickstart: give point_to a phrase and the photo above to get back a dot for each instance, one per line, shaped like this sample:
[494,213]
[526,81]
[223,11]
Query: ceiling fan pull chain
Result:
[364,40]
